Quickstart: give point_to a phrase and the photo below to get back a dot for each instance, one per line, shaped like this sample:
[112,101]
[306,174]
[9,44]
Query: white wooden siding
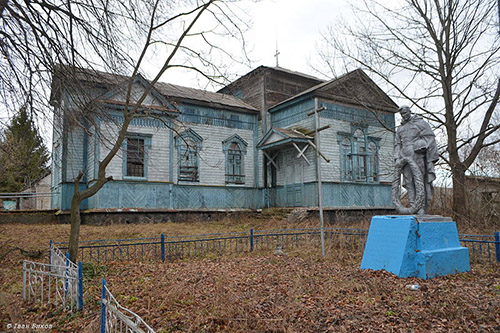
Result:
[137,91]
[330,172]
[158,153]
[212,167]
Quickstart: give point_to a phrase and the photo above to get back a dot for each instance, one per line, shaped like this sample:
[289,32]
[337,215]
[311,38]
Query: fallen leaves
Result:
[300,292]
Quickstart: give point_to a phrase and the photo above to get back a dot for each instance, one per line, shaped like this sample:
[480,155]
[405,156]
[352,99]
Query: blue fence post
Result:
[251,240]
[103,307]
[80,286]
[163,247]
[66,275]
[497,245]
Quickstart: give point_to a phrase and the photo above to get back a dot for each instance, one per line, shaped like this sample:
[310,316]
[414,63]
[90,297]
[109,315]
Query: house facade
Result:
[251,145]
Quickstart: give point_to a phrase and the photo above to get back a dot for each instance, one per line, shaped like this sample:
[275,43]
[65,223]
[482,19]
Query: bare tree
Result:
[443,56]
[40,38]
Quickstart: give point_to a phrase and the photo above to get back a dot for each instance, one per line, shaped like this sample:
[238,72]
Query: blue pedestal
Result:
[423,247]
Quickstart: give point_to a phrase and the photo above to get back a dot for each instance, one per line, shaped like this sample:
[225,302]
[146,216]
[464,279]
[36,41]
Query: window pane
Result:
[188,159]
[372,148]
[234,173]
[135,157]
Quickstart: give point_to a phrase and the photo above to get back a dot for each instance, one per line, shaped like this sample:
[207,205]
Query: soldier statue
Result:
[415,155]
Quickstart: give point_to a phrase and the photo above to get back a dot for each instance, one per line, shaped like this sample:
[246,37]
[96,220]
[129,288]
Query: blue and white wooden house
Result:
[194,149]
[355,122]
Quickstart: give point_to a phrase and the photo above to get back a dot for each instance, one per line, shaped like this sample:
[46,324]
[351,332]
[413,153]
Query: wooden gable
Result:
[119,94]
[356,88]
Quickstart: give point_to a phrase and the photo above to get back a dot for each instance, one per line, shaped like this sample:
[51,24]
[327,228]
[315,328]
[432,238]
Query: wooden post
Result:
[318,165]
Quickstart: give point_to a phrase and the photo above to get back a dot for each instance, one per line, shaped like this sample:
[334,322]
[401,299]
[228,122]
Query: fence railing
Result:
[481,247]
[116,318]
[58,282]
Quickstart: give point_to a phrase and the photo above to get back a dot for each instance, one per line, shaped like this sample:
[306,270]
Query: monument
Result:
[420,245]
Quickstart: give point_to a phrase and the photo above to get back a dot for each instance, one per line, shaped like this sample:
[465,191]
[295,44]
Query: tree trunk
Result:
[75,219]
[460,210]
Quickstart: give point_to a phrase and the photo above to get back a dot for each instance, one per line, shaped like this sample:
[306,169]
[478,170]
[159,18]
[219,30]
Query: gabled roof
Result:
[279,136]
[168,92]
[354,88]
[260,69]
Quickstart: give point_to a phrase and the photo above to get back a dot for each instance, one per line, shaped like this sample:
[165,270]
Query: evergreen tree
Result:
[23,155]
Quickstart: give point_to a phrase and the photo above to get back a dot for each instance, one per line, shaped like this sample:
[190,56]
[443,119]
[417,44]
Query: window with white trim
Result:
[188,148]
[358,156]
[235,149]
[136,155]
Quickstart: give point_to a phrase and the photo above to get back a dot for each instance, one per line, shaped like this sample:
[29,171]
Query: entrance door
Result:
[294,178]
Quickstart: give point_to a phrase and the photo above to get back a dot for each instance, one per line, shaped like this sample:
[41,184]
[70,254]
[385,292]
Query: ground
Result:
[259,292]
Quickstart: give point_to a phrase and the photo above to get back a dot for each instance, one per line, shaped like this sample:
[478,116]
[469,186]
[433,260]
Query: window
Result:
[346,160]
[135,159]
[235,148]
[373,158]
[358,157]
[188,169]
[234,174]
[189,146]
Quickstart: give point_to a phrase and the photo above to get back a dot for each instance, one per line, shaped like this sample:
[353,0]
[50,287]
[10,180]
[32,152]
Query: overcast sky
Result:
[294,26]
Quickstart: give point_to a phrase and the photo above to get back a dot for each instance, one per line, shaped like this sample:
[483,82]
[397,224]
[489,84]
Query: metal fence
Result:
[58,282]
[481,247]
[181,247]
[116,318]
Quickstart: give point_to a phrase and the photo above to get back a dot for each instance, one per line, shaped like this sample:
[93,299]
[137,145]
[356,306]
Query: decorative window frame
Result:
[242,146]
[180,143]
[147,147]
[357,162]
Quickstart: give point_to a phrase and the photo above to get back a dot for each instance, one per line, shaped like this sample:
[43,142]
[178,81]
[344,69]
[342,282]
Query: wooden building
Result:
[250,145]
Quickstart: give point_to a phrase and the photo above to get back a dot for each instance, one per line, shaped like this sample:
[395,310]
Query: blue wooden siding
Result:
[355,115]
[220,118]
[157,195]
[66,194]
[151,195]
[293,114]
[334,195]
[141,122]
[124,194]
[297,112]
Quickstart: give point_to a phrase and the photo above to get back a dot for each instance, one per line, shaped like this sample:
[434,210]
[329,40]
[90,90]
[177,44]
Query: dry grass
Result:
[258,292]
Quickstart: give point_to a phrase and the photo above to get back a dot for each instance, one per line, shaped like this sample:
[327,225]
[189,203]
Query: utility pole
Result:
[318,165]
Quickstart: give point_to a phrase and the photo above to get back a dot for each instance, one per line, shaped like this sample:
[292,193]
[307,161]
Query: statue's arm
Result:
[397,146]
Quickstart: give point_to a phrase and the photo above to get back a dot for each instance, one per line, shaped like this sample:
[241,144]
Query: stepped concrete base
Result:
[415,246]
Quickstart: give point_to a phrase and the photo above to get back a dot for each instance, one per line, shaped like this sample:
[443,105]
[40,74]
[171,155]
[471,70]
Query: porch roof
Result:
[277,137]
